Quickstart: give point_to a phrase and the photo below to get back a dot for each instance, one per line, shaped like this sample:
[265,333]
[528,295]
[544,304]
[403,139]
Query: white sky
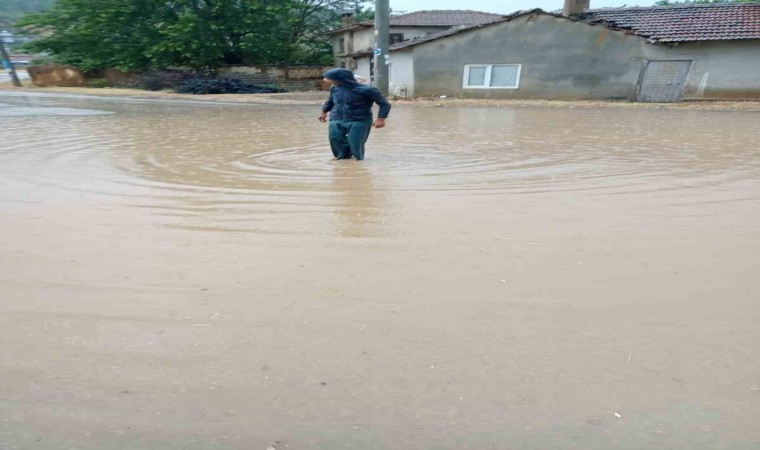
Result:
[503,6]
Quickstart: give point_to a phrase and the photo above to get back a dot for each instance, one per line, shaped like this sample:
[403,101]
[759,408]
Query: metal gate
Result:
[663,81]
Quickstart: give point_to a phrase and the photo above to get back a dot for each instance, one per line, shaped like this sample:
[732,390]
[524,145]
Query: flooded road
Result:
[185,275]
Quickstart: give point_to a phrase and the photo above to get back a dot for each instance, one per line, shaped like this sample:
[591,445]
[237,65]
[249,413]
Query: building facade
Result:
[604,54]
[354,40]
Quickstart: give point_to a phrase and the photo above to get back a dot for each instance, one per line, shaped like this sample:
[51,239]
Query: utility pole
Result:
[382,42]
[6,61]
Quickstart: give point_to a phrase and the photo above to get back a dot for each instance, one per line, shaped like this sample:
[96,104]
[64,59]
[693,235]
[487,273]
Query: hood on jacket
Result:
[342,76]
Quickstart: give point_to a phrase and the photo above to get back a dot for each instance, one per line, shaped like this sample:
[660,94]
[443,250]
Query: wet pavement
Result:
[187,275]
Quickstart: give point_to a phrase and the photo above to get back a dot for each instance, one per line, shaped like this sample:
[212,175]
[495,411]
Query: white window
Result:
[491,76]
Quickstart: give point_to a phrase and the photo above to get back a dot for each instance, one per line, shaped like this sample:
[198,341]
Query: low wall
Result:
[56,75]
[279,73]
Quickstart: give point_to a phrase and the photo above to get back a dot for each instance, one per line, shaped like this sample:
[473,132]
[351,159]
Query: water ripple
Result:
[239,162]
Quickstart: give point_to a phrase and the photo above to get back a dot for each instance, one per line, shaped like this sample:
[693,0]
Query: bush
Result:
[202,86]
[159,80]
[43,60]
[97,83]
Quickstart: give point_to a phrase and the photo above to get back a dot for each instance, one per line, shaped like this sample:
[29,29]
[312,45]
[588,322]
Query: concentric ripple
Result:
[237,162]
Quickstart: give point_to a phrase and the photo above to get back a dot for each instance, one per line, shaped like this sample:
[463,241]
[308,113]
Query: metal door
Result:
[663,81]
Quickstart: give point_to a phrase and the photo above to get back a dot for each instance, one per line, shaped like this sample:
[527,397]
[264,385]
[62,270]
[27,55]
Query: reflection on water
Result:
[26,111]
[245,168]
[361,206]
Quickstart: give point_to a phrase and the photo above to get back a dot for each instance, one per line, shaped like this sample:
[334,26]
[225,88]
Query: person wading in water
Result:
[350,108]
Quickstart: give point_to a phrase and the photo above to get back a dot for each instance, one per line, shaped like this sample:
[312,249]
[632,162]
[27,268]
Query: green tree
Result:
[365,14]
[207,34]
[13,9]
[202,34]
[93,34]
[312,19]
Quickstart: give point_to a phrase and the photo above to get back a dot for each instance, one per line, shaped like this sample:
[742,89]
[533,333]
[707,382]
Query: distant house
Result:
[647,54]
[356,39]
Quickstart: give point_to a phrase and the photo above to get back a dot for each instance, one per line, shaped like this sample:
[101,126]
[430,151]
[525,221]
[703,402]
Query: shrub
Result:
[158,80]
[97,83]
[202,86]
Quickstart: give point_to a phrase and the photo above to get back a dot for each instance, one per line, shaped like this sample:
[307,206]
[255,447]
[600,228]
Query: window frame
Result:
[487,80]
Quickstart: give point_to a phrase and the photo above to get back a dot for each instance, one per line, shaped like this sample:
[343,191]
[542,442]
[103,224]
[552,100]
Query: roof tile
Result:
[681,23]
[443,18]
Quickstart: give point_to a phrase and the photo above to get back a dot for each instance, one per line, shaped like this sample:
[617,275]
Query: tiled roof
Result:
[441,18]
[683,23]
[444,18]
[660,24]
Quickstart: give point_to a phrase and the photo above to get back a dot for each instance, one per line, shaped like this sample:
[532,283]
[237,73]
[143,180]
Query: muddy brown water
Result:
[179,275]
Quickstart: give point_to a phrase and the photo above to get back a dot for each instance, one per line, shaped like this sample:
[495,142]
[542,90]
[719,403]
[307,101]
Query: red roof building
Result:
[683,23]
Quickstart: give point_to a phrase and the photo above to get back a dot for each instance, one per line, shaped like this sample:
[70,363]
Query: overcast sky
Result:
[503,6]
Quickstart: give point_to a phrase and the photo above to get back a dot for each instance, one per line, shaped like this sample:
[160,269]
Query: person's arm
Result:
[326,108]
[385,107]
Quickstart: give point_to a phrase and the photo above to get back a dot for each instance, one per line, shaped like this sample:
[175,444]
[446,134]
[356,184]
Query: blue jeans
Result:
[348,138]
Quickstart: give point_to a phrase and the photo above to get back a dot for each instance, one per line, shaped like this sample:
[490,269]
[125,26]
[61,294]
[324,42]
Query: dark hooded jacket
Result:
[352,101]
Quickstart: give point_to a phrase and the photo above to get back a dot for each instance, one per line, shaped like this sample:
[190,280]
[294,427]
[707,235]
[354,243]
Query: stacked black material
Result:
[202,86]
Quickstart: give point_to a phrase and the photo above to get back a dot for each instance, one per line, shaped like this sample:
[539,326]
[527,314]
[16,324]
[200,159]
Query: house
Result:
[693,51]
[359,38]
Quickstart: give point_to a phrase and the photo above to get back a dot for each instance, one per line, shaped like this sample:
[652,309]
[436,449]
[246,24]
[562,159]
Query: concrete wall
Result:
[402,73]
[560,59]
[564,59]
[354,40]
[363,67]
[364,39]
[410,32]
[719,69]
[56,75]
[279,72]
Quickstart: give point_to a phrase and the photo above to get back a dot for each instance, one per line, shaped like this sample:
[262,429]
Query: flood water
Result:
[186,275]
